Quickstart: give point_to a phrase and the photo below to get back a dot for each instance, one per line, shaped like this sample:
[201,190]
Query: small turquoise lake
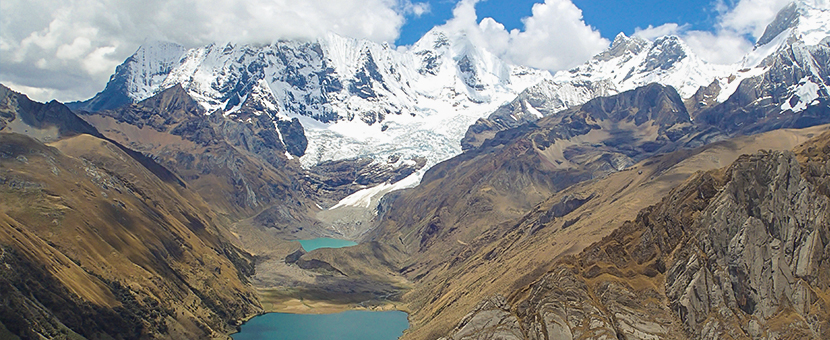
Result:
[325,242]
[349,325]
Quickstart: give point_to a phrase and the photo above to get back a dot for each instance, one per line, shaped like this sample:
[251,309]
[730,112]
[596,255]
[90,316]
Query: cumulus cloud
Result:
[554,37]
[739,25]
[417,9]
[67,49]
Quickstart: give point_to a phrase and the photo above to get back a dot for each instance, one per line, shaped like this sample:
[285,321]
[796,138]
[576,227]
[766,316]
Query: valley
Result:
[644,194]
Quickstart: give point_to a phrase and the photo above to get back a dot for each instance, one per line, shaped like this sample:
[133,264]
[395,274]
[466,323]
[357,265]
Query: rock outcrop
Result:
[735,253]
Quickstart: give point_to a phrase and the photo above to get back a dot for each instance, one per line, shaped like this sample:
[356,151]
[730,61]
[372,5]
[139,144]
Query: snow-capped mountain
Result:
[784,81]
[632,62]
[790,56]
[629,63]
[353,97]
[137,78]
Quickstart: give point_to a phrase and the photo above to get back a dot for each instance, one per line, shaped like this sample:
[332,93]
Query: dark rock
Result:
[295,256]
[319,266]
[294,137]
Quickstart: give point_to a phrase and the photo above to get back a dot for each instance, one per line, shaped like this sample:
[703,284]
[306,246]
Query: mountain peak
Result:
[136,78]
[172,99]
[807,20]
[786,18]
[622,45]
[434,39]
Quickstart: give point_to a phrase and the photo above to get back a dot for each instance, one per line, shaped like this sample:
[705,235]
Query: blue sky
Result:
[609,17]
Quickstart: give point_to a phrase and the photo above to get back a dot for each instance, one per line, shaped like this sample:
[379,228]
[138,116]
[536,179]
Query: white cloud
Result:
[75,50]
[554,37]
[719,48]
[749,16]
[417,9]
[69,48]
[651,32]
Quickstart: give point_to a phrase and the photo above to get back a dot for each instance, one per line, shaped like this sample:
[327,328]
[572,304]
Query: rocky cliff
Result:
[733,253]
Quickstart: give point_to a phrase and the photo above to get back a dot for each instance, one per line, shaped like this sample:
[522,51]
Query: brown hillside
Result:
[735,253]
[457,273]
[93,243]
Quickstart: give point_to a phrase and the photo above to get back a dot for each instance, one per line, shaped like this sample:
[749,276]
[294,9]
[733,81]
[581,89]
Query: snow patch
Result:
[806,92]
[369,197]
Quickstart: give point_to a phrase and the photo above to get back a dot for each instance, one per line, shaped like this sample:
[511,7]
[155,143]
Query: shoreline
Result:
[282,300]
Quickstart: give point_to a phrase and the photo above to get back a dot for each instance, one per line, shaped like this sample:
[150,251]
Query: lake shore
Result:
[294,301]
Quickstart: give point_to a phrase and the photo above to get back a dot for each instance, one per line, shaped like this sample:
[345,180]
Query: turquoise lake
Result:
[325,242]
[349,325]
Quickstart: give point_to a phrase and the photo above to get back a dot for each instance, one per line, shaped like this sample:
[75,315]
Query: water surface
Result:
[325,242]
[349,325]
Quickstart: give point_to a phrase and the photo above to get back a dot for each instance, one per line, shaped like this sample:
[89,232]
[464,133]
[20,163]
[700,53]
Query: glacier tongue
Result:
[423,102]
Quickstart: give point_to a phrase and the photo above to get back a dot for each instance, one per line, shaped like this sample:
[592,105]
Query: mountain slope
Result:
[455,224]
[522,166]
[245,163]
[228,161]
[629,63]
[732,253]
[48,122]
[97,245]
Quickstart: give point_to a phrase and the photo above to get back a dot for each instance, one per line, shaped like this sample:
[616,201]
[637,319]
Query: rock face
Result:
[734,253]
[329,181]
[239,162]
[764,250]
[791,94]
